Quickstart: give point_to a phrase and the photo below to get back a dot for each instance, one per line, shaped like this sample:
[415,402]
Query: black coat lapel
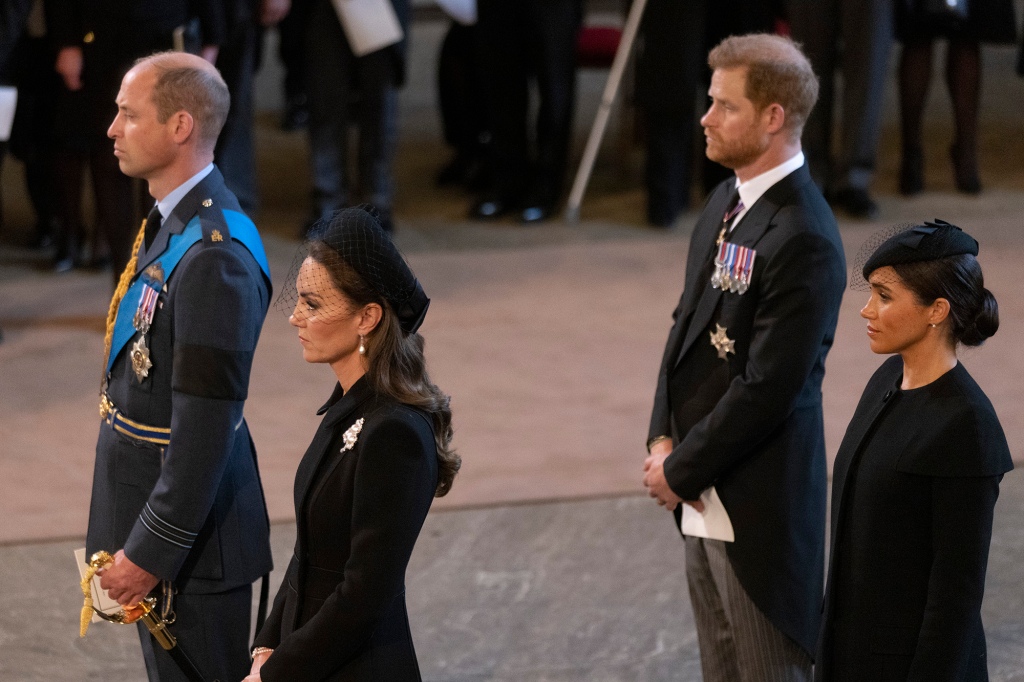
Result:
[338,408]
[747,232]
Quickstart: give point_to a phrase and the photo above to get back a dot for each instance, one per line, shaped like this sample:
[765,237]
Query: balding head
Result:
[186,82]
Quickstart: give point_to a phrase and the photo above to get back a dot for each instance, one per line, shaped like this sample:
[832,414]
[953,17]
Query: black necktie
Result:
[733,209]
[152,226]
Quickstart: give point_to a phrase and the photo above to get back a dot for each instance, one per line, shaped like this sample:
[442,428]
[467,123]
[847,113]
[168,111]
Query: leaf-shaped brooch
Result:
[352,435]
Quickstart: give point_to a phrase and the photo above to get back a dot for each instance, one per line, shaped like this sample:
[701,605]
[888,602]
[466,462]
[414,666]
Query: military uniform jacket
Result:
[340,614]
[913,492]
[192,511]
[751,424]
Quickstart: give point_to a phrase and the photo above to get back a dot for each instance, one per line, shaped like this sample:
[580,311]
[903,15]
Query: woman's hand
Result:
[257,662]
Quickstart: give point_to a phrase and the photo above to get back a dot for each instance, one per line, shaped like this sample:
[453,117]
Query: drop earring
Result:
[362,344]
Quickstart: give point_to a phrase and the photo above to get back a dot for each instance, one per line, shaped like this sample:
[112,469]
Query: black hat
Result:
[930,241]
[358,238]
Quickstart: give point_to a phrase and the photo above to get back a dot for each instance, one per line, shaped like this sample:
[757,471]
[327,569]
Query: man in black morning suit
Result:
[738,400]
[176,489]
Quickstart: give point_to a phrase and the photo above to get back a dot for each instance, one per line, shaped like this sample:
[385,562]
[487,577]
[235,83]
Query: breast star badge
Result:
[722,343]
[140,359]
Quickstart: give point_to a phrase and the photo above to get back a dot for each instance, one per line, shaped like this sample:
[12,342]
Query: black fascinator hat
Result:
[356,236]
[901,244]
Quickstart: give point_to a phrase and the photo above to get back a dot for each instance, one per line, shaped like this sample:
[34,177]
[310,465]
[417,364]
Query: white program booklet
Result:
[713,523]
[100,600]
[370,25]
[8,105]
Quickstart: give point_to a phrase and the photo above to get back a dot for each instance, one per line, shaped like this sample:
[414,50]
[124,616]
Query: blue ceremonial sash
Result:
[242,229]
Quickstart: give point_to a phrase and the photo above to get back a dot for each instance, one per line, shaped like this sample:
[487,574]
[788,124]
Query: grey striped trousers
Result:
[737,641]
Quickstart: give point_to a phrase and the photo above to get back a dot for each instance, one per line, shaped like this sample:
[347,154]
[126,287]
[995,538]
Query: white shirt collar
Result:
[752,190]
[169,202]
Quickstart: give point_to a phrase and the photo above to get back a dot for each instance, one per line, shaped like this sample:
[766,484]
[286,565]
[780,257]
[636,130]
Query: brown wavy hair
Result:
[777,72]
[397,367]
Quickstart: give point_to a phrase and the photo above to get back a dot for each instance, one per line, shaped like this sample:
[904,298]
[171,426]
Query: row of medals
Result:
[153,284]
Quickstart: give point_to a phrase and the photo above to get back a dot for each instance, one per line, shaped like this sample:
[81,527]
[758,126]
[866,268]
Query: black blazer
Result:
[193,511]
[751,425]
[914,487]
[340,614]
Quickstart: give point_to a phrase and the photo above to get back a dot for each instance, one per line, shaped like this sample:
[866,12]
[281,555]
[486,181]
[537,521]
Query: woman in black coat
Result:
[365,484]
[917,475]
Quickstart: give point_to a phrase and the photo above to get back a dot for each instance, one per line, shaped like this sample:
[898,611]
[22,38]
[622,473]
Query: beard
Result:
[739,152]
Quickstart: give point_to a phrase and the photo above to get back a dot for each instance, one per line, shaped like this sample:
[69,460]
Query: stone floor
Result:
[546,562]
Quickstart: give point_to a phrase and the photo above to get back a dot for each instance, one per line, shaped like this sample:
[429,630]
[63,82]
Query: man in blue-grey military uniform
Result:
[176,489]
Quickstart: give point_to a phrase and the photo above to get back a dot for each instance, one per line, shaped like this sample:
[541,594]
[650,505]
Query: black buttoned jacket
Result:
[340,614]
[751,424]
[913,492]
[193,511]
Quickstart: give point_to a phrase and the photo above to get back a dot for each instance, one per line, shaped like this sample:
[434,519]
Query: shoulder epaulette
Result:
[215,227]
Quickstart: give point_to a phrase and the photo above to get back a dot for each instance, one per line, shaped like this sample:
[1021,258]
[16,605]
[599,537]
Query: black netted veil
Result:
[354,236]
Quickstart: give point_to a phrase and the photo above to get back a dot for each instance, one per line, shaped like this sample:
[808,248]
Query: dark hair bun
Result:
[985,323]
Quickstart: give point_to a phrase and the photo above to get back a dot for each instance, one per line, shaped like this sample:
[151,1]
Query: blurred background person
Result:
[672,77]
[461,90]
[917,474]
[26,62]
[854,36]
[96,42]
[237,59]
[986,21]
[346,91]
[522,42]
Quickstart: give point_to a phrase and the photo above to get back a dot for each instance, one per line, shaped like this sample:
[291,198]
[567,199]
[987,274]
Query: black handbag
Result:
[938,9]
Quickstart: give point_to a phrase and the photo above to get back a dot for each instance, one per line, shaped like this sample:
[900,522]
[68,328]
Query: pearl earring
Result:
[932,325]
[362,344]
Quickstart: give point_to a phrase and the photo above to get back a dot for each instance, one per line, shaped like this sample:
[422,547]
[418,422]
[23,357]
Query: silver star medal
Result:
[140,359]
[722,343]
[352,435]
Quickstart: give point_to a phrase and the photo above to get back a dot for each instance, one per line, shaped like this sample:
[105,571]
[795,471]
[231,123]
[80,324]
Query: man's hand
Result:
[126,582]
[69,66]
[273,11]
[654,478]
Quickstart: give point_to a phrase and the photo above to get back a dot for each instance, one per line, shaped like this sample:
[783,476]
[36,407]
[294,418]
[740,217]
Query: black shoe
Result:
[965,170]
[490,208]
[537,212]
[912,172]
[856,203]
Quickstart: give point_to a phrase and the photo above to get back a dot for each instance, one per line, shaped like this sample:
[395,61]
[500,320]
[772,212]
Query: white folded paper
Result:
[369,25]
[713,523]
[100,600]
[462,11]
[8,105]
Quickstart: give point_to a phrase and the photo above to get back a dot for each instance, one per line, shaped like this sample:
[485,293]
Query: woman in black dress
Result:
[917,475]
[917,27]
[363,488]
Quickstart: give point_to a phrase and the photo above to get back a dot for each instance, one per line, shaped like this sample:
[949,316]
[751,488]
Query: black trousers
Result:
[520,40]
[212,629]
